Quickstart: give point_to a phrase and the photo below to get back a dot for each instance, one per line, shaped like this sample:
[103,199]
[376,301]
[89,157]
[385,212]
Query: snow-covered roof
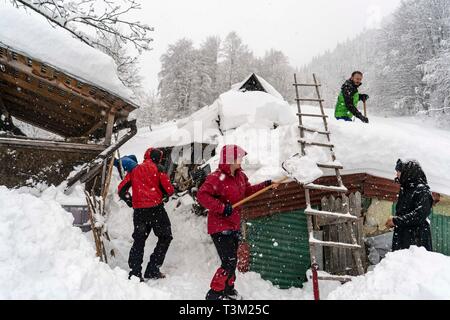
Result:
[28,33]
[361,148]
[266,85]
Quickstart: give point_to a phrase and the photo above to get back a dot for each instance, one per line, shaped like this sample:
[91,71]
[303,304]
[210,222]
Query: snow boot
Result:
[154,276]
[215,295]
[139,276]
[232,294]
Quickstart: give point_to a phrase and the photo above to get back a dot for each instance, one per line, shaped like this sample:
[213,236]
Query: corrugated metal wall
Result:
[440,233]
[279,248]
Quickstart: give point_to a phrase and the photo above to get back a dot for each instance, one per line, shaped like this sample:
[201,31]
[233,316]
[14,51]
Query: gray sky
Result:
[299,28]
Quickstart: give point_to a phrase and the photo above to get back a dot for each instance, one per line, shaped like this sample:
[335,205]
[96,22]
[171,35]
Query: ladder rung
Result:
[314,130]
[310,100]
[312,115]
[307,85]
[313,186]
[313,143]
[329,214]
[342,279]
[314,241]
[330,165]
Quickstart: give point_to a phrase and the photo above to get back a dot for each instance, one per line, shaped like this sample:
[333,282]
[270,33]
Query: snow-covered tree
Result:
[176,79]
[237,61]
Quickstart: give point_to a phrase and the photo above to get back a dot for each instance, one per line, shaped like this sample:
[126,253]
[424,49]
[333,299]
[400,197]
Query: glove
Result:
[128,199]
[267,183]
[364,119]
[228,210]
[363,97]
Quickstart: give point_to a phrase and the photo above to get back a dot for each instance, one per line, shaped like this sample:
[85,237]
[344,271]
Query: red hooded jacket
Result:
[221,187]
[146,183]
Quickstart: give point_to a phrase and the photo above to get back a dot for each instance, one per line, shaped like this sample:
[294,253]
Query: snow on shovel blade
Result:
[302,169]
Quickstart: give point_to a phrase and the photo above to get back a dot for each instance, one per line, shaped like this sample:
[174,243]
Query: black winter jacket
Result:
[413,208]
[349,88]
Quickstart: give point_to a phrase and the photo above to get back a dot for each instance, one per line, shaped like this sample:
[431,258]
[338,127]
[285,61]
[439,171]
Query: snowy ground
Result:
[43,257]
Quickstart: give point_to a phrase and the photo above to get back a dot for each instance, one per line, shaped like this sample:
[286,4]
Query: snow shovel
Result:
[301,169]
[237,204]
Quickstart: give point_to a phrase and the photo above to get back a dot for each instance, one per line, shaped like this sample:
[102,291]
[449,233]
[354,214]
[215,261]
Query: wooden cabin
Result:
[82,115]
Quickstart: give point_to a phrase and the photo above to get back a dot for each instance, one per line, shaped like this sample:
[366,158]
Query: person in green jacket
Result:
[348,99]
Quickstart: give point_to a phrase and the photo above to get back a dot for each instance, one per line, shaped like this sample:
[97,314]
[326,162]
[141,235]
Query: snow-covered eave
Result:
[440,187]
[74,76]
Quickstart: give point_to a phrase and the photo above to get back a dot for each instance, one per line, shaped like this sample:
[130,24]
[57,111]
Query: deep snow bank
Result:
[192,258]
[408,274]
[43,257]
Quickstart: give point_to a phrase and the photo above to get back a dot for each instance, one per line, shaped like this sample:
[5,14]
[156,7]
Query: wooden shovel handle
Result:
[365,108]
[258,193]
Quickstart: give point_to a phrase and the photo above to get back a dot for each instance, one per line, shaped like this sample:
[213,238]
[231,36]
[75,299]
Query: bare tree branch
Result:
[103,16]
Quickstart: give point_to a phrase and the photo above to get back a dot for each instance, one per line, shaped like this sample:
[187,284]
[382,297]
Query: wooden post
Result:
[109,127]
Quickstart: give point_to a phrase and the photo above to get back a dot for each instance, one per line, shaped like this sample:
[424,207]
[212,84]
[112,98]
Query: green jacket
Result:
[347,102]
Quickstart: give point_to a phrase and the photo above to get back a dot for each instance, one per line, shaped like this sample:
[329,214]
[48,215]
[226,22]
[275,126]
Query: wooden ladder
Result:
[341,189]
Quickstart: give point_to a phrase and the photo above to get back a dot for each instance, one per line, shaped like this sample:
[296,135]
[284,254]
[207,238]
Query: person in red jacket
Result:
[221,189]
[149,186]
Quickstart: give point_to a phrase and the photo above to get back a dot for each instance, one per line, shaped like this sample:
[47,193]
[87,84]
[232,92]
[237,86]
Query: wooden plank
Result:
[306,85]
[310,100]
[311,115]
[109,127]
[50,145]
[47,105]
[26,70]
[314,143]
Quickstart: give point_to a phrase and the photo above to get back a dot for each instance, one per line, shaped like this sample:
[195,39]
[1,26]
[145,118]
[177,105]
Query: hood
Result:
[411,174]
[154,155]
[128,162]
[228,156]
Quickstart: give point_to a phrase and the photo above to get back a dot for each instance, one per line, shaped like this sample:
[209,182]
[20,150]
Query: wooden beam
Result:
[109,127]
[50,145]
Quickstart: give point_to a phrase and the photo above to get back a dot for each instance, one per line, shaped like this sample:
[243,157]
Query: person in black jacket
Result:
[348,99]
[411,224]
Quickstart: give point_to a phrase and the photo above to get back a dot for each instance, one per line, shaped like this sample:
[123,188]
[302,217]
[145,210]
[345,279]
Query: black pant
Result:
[145,220]
[227,246]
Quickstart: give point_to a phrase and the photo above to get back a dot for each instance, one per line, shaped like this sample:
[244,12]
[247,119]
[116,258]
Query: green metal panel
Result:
[440,231]
[279,248]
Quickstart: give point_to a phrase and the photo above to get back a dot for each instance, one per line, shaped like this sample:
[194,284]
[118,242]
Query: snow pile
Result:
[267,86]
[303,169]
[238,108]
[361,148]
[31,34]
[43,257]
[414,274]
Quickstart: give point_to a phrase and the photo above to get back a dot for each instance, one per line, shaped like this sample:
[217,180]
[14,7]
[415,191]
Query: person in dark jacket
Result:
[348,99]
[221,189]
[411,224]
[149,185]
